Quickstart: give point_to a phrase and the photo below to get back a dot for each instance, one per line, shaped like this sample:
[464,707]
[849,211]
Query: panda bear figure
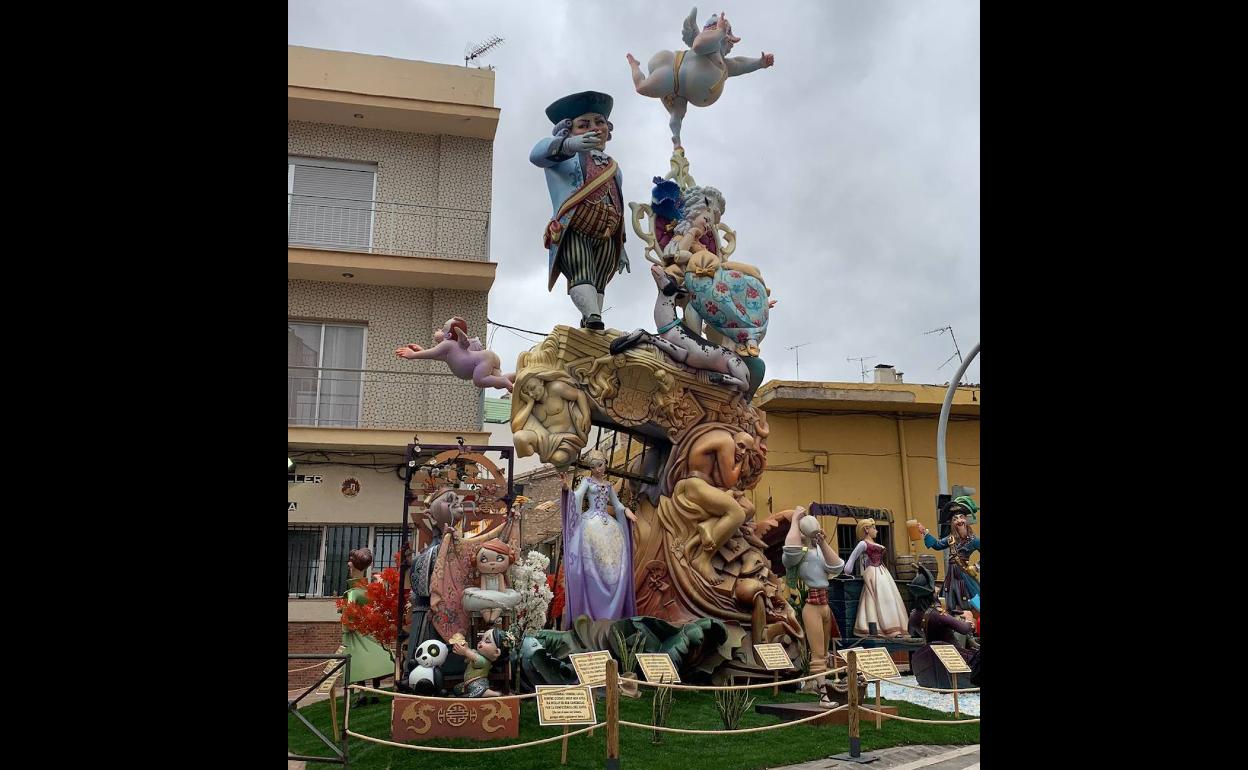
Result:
[426,677]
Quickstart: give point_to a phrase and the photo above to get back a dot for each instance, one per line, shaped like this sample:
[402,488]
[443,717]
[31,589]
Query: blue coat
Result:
[564,176]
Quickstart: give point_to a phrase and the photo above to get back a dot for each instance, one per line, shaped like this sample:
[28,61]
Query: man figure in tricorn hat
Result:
[585,235]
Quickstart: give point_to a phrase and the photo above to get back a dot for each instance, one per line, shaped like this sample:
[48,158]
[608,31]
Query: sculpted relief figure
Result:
[550,416]
[706,478]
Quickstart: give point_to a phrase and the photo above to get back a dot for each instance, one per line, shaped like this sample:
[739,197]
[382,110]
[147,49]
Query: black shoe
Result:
[595,323]
[630,340]
[671,287]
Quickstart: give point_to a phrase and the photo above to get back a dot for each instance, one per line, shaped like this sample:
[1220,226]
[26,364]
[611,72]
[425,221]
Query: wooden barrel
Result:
[905,568]
[929,560]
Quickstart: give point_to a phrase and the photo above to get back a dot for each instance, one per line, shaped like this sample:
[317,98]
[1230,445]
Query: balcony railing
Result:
[386,227]
[334,397]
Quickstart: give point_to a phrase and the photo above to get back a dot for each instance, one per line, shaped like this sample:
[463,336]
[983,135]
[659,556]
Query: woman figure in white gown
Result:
[880,602]
[598,554]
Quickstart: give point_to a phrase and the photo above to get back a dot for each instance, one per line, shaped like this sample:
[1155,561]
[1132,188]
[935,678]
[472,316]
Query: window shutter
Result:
[331,207]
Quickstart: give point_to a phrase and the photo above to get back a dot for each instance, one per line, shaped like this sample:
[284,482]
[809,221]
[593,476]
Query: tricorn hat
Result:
[576,105]
[964,505]
[923,583]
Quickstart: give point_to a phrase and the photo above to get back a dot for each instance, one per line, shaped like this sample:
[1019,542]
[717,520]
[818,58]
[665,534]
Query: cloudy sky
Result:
[850,168]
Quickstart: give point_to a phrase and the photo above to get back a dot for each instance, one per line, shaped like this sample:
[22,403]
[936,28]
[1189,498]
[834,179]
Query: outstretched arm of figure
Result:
[743,65]
[579,495]
[619,507]
[932,542]
[547,152]
[853,557]
[832,559]
[413,352]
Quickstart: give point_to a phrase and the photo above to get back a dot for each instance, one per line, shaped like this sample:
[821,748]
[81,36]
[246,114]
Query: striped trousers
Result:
[583,259]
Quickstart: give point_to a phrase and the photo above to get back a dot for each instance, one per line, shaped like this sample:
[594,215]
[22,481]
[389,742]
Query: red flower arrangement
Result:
[376,618]
[556,584]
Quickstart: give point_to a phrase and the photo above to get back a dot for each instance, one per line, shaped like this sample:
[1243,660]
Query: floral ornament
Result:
[376,617]
[529,579]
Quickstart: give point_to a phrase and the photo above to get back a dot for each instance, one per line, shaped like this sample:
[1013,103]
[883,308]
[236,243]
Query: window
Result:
[325,377]
[386,542]
[303,557]
[316,555]
[329,204]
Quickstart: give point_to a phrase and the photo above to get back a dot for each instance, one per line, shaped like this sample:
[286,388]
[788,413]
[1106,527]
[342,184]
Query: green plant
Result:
[732,705]
[660,708]
[627,651]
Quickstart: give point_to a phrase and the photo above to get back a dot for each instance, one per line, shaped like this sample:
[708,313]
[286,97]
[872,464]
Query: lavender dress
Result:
[597,555]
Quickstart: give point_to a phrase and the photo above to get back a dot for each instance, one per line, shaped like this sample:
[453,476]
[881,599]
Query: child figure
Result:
[493,595]
[494,646]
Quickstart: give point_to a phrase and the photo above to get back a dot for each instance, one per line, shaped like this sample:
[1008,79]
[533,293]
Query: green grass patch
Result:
[690,710]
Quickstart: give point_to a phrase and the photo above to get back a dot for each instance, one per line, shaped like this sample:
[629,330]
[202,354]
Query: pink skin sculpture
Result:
[466,357]
[695,76]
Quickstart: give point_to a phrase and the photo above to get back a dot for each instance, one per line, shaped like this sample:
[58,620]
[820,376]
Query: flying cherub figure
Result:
[467,357]
[680,80]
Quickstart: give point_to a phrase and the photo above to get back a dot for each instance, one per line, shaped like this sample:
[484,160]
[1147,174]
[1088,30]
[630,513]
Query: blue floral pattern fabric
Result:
[732,303]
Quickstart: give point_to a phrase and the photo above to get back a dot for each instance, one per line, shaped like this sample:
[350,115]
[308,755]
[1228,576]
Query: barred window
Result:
[316,555]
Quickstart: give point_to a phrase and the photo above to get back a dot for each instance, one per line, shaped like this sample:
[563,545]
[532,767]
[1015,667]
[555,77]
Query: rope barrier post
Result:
[955,695]
[613,715]
[854,754]
[333,708]
[563,758]
[879,720]
[346,709]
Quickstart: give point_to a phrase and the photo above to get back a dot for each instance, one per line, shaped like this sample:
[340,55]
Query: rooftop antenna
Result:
[474,52]
[957,352]
[861,365]
[797,357]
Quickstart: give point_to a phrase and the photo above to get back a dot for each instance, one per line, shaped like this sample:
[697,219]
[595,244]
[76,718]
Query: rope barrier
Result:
[920,721]
[393,693]
[734,732]
[305,668]
[928,689]
[481,750]
[739,687]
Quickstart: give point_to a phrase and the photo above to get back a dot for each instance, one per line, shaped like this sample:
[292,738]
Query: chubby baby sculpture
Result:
[680,80]
[467,357]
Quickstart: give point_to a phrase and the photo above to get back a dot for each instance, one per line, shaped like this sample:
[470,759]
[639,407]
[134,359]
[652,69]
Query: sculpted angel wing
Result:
[690,30]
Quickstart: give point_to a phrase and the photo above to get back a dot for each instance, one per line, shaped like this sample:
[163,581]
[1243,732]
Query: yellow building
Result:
[865,444]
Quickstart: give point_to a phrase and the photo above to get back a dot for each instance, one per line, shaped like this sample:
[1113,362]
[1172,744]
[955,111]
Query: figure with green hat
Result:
[961,577]
[585,235]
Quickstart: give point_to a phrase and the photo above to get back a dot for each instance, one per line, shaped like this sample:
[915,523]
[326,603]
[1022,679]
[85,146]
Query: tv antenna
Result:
[474,52]
[957,352]
[797,357]
[861,365]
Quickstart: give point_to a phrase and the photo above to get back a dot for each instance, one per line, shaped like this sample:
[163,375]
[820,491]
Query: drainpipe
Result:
[942,472]
[905,474]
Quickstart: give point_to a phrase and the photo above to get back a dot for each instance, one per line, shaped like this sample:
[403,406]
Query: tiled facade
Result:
[432,198]
[397,315]
[433,192]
